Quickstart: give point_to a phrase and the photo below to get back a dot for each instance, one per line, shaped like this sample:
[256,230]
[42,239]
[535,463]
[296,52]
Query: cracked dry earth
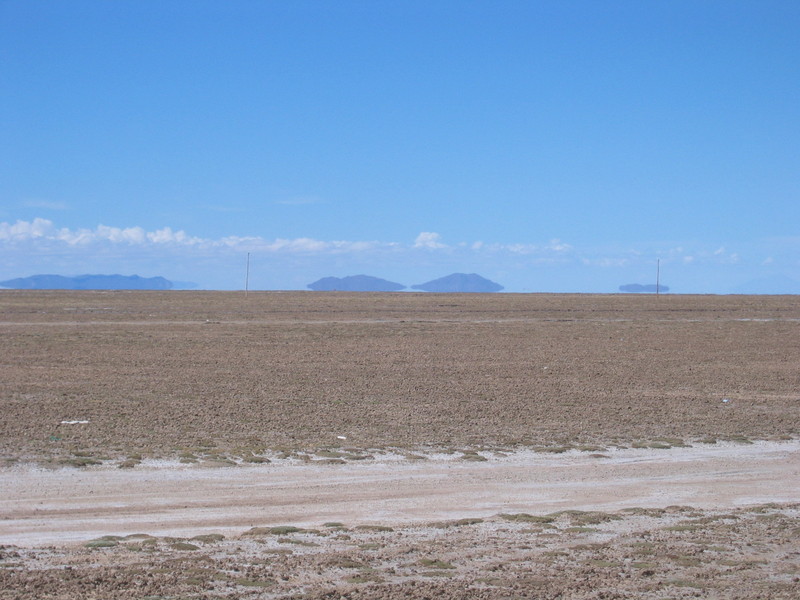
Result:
[197,445]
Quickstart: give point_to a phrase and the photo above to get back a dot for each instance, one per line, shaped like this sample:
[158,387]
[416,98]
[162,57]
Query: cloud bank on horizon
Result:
[40,245]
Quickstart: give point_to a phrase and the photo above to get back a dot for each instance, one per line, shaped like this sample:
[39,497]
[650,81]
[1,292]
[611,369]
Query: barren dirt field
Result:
[179,445]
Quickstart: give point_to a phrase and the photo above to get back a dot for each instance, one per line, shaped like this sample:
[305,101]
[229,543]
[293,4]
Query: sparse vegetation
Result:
[526,518]
[184,546]
[378,528]
[435,563]
[101,543]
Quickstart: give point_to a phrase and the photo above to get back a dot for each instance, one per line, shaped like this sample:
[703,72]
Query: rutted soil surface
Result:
[45,506]
[411,446]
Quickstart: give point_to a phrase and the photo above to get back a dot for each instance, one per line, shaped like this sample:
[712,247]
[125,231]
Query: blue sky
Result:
[549,146]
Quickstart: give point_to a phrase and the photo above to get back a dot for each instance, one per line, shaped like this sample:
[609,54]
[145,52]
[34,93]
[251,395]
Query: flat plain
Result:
[304,394]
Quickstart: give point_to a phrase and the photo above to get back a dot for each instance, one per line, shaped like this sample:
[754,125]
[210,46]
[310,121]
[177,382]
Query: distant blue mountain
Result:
[355,283]
[88,282]
[460,282]
[638,288]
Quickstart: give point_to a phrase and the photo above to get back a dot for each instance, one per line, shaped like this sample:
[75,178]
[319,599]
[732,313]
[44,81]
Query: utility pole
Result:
[658,276]
[247,276]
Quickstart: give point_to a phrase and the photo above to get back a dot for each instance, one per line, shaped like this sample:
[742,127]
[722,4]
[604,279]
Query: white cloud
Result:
[517,248]
[429,239]
[606,262]
[44,237]
[235,241]
[43,231]
[80,237]
[129,235]
[167,236]
[553,247]
[46,204]
[25,230]
[297,245]
[558,246]
[722,256]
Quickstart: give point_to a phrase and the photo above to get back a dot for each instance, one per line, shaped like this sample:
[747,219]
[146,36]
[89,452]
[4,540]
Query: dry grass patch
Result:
[435,563]
[527,518]
[377,528]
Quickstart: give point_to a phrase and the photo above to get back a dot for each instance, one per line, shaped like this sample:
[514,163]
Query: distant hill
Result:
[88,282]
[459,282]
[355,283]
[638,288]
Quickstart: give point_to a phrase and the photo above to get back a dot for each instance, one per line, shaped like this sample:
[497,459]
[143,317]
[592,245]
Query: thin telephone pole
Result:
[658,275]
[247,276]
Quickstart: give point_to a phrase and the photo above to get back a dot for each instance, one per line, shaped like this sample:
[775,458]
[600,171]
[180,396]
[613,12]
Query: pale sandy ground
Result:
[41,506]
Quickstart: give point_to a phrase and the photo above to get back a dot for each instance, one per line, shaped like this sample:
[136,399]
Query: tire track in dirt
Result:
[67,505]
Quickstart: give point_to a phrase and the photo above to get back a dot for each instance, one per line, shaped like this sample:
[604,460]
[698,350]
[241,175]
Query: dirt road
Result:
[67,505]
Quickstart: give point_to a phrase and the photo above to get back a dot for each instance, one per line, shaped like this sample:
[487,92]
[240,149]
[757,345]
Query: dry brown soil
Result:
[469,446]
